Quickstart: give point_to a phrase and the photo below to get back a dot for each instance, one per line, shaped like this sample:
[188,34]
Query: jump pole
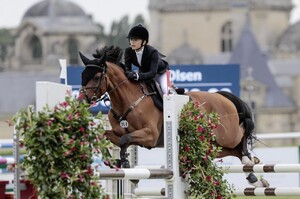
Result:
[262,168]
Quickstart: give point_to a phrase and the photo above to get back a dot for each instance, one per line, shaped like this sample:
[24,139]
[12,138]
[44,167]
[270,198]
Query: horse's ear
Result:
[84,59]
[103,58]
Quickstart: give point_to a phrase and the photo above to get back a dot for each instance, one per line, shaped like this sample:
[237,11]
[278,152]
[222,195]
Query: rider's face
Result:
[135,43]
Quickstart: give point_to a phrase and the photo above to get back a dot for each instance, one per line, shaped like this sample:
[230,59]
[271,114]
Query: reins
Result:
[122,119]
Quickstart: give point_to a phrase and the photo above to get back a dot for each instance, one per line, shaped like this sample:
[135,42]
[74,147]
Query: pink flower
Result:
[64,175]
[49,122]
[64,104]
[70,117]
[80,96]
[82,129]
[67,153]
[70,141]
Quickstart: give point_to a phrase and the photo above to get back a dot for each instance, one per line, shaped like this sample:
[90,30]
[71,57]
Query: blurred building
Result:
[253,33]
[48,31]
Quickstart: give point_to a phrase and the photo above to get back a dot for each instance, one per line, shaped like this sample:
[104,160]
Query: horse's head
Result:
[93,78]
[100,72]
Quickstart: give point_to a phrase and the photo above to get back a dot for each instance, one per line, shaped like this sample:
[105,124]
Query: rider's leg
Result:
[162,80]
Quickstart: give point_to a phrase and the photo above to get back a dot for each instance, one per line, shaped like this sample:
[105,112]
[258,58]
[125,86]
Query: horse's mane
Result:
[113,54]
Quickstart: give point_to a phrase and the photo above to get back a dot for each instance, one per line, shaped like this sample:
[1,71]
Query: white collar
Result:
[140,52]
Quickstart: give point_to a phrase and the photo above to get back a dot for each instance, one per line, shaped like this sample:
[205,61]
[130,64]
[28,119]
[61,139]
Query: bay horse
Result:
[135,120]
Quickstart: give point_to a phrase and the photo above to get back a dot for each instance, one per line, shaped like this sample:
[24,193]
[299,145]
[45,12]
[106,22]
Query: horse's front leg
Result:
[112,136]
[145,137]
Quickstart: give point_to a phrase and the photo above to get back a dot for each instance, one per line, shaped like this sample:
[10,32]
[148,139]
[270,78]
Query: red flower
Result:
[202,137]
[200,129]
[82,129]
[64,175]
[64,104]
[80,96]
[187,148]
[208,178]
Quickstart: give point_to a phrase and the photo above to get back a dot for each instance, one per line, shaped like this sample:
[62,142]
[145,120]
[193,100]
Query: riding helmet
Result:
[139,32]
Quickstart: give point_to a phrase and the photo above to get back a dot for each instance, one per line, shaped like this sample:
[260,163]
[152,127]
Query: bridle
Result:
[94,98]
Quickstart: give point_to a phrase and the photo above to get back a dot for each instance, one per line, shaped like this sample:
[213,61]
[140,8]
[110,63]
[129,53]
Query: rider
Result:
[147,58]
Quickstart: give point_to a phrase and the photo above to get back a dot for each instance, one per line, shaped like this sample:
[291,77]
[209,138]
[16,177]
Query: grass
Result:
[264,197]
[268,197]
[10,152]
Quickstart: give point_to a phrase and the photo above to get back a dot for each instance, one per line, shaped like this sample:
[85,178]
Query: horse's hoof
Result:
[252,178]
[125,164]
[246,160]
[255,160]
[135,182]
[118,163]
[264,182]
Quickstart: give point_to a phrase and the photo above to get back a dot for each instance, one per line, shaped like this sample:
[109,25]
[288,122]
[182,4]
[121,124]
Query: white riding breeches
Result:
[162,80]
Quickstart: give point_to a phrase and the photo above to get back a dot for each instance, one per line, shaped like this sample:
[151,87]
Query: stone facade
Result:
[214,27]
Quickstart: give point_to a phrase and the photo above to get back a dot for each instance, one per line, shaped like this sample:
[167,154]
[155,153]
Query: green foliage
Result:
[119,30]
[197,152]
[61,143]
[6,39]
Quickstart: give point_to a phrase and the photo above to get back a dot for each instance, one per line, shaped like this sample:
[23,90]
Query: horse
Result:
[135,120]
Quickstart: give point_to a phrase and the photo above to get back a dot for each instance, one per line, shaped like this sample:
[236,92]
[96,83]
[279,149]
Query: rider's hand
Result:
[133,76]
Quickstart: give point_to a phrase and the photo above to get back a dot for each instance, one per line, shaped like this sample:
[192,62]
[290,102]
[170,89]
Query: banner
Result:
[209,78]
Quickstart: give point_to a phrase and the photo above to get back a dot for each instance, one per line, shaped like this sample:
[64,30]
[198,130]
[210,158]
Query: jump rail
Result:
[279,191]
[262,168]
[135,174]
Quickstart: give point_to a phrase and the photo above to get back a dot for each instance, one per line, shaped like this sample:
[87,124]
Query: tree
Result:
[119,30]
[6,39]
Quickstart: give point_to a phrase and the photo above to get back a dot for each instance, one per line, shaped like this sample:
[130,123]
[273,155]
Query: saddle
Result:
[154,87]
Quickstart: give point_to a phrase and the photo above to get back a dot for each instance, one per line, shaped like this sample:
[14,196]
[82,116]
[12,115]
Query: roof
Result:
[58,8]
[290,39]
[195,5]
[59,16]
[248,54]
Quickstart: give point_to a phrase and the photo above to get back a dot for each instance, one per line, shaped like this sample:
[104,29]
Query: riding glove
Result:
[133,76]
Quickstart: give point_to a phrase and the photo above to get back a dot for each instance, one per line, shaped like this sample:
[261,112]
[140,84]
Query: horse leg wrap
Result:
[124,163]
[247,160]
[124,141]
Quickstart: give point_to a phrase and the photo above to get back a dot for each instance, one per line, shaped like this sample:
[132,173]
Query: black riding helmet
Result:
[139,32]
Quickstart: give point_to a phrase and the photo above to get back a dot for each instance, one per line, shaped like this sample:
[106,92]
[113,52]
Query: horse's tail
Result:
[245,114]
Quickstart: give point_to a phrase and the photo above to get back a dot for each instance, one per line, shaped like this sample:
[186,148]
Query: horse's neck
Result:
[123,92]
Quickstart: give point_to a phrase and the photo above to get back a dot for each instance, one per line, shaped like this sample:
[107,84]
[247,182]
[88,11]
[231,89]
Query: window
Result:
[226,37]
[36,45]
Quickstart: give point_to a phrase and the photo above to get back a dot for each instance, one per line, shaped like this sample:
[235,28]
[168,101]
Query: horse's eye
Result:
[96,78]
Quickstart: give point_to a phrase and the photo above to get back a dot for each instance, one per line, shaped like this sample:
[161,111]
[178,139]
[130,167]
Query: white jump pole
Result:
[262,168]
[278,191]
[175,187]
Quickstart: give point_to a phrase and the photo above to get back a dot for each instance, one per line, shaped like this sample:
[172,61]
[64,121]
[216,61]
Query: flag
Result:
[63,72]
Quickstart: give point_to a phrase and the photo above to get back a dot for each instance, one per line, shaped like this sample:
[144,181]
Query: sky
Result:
[103,11]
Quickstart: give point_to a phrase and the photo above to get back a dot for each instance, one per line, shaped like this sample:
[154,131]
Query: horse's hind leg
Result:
[248,160]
